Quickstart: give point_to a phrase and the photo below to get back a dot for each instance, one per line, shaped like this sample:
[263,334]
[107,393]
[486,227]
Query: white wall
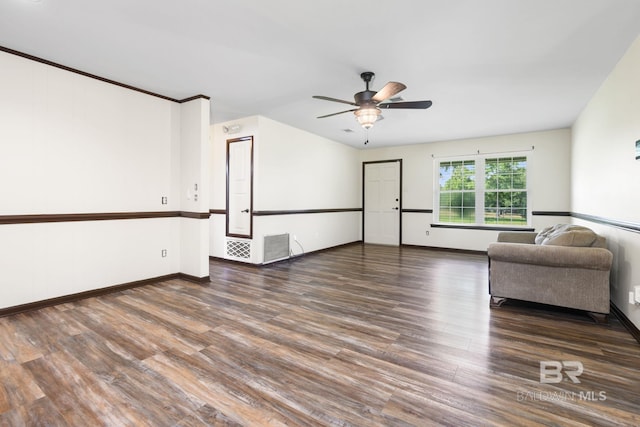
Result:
[293,170]
[72,144]
[605,174]
[298,170]
[548,176]
[42,261]
[194,187]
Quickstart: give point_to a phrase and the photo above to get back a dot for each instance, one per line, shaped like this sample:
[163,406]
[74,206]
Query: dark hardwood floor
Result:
[358,335]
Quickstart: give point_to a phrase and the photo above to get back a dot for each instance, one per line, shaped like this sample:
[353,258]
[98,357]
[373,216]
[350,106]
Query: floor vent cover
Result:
[276,247]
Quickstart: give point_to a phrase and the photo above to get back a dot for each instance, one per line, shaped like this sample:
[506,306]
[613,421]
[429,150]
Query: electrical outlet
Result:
[631,298]
[427,232]
[164,200]
[637,296]
[164,253]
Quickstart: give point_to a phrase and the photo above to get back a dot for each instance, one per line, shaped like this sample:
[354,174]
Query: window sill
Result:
[483,227]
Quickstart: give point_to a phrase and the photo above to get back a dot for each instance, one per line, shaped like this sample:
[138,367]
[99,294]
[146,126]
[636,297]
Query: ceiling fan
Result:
[370,102]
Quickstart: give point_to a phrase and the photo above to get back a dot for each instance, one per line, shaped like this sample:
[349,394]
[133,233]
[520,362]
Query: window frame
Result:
[480,191]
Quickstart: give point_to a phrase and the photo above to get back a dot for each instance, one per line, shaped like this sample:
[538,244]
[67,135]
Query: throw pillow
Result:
[544,234]
[566,235]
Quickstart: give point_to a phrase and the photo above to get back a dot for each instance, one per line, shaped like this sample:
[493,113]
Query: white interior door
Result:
[382,203]
[239,187]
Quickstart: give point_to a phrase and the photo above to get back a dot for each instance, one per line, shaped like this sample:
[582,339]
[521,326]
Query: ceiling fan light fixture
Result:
[367,116]
[369,103]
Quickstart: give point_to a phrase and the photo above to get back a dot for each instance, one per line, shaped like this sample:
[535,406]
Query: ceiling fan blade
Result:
[388,91]
[335,114]
[326,98]
[407,104]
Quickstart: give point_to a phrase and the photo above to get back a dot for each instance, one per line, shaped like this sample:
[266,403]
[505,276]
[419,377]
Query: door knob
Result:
[396,208]
[245,211]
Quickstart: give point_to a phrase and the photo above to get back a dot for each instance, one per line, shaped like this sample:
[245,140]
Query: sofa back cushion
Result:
[566,235]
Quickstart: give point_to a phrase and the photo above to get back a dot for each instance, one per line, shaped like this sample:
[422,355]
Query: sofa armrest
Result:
[553,256]
[517,237]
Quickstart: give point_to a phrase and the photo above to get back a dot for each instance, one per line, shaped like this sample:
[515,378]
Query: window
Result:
[458,191]
[505,194]
[483,191]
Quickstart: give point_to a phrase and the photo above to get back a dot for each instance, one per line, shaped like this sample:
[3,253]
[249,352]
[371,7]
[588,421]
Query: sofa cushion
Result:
[566,235]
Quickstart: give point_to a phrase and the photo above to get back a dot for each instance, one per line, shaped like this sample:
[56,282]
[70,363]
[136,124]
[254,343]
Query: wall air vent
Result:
[276,248]
[239,249]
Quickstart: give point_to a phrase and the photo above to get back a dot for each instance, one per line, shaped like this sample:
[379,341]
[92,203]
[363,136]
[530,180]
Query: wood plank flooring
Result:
[358,335]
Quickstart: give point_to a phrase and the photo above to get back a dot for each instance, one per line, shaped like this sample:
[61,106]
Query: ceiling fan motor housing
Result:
[364,98]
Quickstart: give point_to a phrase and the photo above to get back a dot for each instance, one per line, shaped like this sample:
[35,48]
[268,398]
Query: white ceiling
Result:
[490,66]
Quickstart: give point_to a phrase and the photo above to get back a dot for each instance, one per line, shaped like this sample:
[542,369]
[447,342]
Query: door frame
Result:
[399,161]
[250,235]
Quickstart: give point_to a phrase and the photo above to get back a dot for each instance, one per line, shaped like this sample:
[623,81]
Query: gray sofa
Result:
[564,265]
